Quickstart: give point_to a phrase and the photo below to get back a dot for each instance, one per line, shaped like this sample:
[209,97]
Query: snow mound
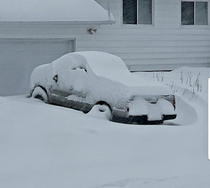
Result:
[101,112]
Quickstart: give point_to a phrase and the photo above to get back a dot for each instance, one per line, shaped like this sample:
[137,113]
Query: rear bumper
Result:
[142,119]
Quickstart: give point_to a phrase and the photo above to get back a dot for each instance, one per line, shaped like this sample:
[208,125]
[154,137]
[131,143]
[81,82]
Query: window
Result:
[194,13]
[137,11]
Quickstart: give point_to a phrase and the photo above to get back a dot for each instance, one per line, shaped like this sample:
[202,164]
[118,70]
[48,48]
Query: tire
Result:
[41,94]
[101,111]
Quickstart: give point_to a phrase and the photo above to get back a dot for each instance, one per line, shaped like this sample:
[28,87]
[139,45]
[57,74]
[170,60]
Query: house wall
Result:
[165,45]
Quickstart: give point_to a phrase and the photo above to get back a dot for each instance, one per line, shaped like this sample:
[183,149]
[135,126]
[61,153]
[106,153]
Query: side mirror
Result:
[55,78]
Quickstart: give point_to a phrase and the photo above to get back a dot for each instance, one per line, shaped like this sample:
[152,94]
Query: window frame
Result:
[137,24]
[194,25]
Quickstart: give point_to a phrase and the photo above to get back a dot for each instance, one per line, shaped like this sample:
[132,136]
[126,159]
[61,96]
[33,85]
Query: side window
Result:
[194,13]
[137,11]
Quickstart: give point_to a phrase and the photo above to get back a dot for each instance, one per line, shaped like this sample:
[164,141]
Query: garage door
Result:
[20,56]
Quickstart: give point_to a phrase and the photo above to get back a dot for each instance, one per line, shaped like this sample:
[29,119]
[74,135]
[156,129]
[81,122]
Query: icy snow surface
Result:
[48,146]
[48,10]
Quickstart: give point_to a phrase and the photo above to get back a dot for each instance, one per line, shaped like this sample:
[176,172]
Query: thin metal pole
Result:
[108,7]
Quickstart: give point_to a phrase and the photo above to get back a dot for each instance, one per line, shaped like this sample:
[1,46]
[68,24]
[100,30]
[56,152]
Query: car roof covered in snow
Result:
[113,67]
[103,65]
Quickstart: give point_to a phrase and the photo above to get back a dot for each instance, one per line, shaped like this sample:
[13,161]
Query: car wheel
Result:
[101,111]
[40,93]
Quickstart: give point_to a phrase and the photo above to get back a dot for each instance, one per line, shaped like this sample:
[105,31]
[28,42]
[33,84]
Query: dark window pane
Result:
[187,13]
[201,16]
[130,11]
[144,11]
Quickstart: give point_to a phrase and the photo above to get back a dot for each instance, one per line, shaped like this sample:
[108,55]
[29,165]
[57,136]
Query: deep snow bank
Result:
[48,146]
[60,147]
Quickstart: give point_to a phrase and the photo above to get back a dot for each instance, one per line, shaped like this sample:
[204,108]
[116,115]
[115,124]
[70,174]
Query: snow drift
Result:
[48,146]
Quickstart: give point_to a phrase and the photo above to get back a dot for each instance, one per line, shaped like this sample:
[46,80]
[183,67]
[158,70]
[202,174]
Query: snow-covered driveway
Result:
[45,146]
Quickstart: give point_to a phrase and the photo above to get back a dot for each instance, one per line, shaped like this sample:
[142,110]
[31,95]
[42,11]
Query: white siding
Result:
[165,45]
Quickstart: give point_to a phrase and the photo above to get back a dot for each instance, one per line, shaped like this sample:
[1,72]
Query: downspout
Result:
[108,8]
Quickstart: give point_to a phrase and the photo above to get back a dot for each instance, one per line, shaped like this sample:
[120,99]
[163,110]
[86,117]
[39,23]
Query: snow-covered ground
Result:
[45,146]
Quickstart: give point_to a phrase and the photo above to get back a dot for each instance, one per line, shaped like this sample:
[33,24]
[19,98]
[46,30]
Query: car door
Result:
[69,88]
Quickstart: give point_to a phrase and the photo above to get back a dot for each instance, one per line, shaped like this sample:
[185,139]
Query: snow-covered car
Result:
[99,81]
